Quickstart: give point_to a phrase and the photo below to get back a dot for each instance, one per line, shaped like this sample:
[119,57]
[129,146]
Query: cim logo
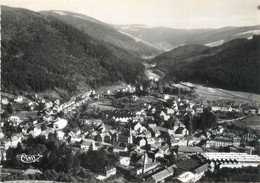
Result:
[29,158]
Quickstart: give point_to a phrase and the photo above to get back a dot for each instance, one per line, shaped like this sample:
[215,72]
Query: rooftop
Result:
[190,149]
[189,164]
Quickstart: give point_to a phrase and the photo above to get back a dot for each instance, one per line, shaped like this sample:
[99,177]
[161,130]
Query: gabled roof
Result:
[202,168]
[25,114]
[163,174]
[190,165]
[31,171]
[86,143]
[190,149]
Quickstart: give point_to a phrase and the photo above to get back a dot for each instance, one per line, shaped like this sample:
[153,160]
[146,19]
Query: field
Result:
[218,94]
[251,122]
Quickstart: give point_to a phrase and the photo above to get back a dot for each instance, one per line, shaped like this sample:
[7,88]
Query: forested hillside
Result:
[104,32]
[41,53]
[178,56]
[234,65]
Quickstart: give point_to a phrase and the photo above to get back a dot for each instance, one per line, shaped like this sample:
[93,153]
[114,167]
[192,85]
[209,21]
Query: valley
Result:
[99,102]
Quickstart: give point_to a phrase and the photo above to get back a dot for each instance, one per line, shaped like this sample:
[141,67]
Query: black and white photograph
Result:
[155,91]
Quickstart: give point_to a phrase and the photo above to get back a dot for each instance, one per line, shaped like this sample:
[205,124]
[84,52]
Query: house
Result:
[170,111]
[215,108]
[150,141]
[174,142]
[120,149]
[147,134]
[185,176]
[31,171]
[60,135]
[47,131]
[246,111]
[136,126]
[219,142]
[57,102]
[19,99]
[191,141]
[5,101]
[134,98]
[85,145]
[164,174]
[253,111]
[13,141]
[36,131]
[106,137]
[60,123]
[141,142]
[138,119]
[165,116]
[15,120]
[189,150]
[25,115]
[48,105]
[123,160]
[190,170]
[199,110]
[123,138]
[150,167]
[163,150]
[76,138]
[249,137]
[236,141]
[110,170]
[103,128]
[166,97]
[151,118]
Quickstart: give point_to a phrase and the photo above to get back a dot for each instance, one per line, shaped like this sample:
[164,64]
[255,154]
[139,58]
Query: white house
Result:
[15,120]
[5,101]
[120,149]
[151,141]
[170,111]
[137,126]
[199,110]
[165,116]
[60,123]
[85,145]
[124,160]
[60,135]
[142,142]
[215,108]
[19,99]
[166,97]
[36,131]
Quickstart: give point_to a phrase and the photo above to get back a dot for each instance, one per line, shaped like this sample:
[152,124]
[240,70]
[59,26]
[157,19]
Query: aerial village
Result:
[159,132]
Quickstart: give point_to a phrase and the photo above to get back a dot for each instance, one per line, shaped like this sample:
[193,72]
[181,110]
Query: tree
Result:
[61,114]
[5,115]
[43,126]
[9,108]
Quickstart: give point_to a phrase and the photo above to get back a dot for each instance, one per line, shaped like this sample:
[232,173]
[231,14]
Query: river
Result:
[149,72]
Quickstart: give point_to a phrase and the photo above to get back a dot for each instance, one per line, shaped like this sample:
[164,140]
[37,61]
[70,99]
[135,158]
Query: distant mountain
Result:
[105,32]
[168,38]
[42,53]
[234,65]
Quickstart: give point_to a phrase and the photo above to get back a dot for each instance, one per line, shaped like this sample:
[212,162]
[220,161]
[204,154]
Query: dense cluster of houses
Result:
[147,148]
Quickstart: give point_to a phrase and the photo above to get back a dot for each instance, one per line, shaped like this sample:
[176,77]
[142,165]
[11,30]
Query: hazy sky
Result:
[167,13]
